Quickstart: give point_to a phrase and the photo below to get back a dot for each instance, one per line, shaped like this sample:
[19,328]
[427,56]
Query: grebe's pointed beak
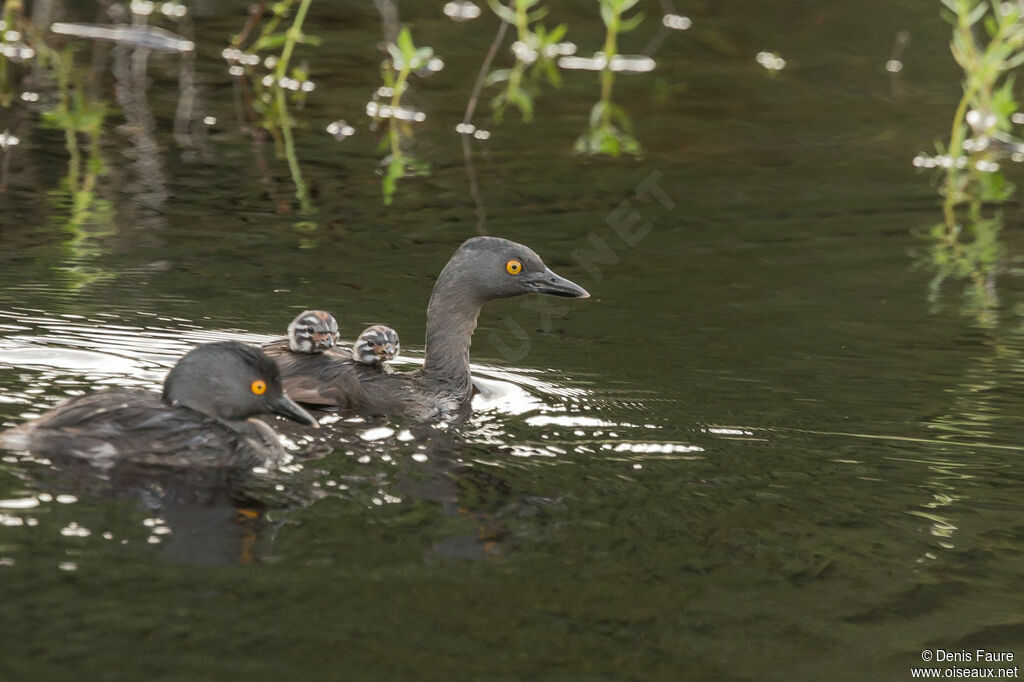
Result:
[547,282]
[284,406]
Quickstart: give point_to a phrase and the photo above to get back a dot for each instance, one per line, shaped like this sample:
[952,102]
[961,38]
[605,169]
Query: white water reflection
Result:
[20,503]
[149,37]
[340,130]
[654,448]
[619,63]
[568,420]
[462,11]
[377,433]
[68,359]
[770,61]
[7,140]
[676,22]
[376,110]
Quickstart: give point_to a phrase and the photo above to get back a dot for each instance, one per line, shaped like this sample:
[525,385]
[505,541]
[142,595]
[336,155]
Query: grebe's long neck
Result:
[451,318]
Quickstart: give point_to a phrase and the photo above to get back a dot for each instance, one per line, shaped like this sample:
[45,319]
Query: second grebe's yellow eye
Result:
[513,267]
[259,387]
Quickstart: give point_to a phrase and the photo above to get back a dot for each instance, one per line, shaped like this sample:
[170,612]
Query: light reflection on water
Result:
[67,349]
[522,411]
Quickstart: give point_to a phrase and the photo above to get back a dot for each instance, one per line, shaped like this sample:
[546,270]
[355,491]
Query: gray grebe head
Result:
[230,380]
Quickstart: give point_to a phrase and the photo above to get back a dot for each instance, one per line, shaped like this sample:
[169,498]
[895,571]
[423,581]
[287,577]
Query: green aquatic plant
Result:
[535,49]
[611,130]
[987,105]
[987,43]
[404,60]
[270,38]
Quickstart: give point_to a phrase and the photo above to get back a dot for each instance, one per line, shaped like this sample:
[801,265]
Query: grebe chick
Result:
[312,331]
[377,345]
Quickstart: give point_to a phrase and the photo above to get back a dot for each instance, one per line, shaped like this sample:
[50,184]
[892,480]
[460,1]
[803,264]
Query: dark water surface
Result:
[760,451]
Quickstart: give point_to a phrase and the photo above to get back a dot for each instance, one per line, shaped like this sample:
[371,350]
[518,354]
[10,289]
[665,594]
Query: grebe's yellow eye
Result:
[513,267]
[259,387]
